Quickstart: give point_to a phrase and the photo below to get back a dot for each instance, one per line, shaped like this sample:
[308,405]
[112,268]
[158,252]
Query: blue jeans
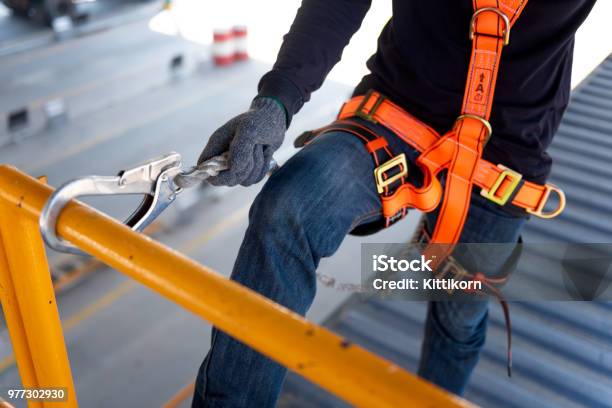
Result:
[302,214]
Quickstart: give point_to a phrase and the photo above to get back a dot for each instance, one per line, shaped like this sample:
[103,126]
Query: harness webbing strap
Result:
[491,285]
[375,144]
[503,185]
[490,31]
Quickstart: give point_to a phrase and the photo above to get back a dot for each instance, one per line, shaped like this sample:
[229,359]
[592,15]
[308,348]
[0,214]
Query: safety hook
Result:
[153,178]
[160,180]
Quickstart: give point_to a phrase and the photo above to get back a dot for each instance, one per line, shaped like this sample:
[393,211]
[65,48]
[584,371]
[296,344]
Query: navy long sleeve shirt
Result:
[421,64]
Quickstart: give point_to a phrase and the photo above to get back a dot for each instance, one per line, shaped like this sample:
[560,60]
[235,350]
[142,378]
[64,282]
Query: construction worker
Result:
[327,190]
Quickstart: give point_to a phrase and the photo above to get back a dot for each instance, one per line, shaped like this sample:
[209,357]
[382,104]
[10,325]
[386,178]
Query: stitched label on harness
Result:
[480,86]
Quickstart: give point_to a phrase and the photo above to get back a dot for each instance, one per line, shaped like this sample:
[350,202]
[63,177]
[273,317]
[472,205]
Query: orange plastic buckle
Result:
[369,116]
[381,170]
[491,194]
[492,10]
[539,211]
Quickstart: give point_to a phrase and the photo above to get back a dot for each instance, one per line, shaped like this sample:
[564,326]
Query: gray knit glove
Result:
[251,138]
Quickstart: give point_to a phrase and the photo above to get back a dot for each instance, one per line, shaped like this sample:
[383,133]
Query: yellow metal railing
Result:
[346,370]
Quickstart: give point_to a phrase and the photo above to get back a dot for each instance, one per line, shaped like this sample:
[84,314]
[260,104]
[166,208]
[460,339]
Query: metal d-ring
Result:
[497,11]
[484,122]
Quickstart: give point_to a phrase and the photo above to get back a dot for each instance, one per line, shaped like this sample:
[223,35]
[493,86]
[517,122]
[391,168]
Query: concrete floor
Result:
[18,34]
[128,346]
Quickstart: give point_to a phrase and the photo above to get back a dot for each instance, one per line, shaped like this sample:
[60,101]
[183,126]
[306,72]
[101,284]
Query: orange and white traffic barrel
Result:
[240,43]
[223,47]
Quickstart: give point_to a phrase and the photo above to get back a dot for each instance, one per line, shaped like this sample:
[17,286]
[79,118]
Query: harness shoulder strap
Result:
[490,32]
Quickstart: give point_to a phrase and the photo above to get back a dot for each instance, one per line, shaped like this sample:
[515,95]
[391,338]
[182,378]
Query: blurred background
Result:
[92,87]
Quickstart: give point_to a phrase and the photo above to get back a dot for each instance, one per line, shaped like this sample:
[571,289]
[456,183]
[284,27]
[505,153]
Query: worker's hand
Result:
[251,138]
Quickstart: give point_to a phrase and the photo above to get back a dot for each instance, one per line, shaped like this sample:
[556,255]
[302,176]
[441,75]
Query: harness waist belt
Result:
[497,182]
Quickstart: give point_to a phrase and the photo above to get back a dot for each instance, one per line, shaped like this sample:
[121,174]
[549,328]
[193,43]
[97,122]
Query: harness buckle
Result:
[497,11]
[451,269]
[369,116]
[380,171]
[539,211]
[491,194]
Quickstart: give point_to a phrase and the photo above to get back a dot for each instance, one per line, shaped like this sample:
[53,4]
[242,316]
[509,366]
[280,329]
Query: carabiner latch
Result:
[153,178]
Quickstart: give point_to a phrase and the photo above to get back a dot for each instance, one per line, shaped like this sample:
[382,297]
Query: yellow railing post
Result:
[14,324]
[26,266]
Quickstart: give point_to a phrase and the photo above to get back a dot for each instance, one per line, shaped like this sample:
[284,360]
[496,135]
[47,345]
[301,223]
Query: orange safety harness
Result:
[459,151]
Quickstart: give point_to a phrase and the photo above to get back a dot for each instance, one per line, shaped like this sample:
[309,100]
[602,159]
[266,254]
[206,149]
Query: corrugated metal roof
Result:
[562,351]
